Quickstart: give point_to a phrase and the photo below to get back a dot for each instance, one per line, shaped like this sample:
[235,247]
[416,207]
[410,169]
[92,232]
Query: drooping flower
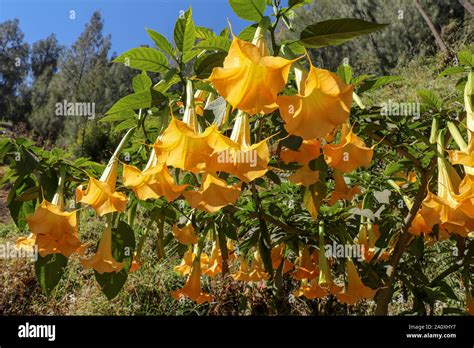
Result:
[214,265]
[304,176]
[185,235]
[251,79]
[243,274]
[306,267]
[341,190]
[278,256]
[101,194]
[310,289]
[239,157]
[186,264]
[213,195]
[355,289]
[257,272]
[308,150]
[464,157]
[153,182]
[323,103]
[181,147]
[349,154]
[53,230]
[192,289]
[367,237]
[103,261]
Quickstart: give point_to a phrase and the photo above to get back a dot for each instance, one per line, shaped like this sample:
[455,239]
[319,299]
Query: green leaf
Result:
[141,82]
[452,70]
[393,168]
[466,58]
[144,58]
[294,4]
[372,84]
[215,43]
[430,99]
[334,32]
[344,71]
[170,78]
[123,247]
[19,210]
[161,42]
[185,32]
[292,142]
[203,33]
[251,10]
[140,100]
[127,124]
[203,66]
[27,163]
[187,56]
[119,116]
[49,270]
[248,33]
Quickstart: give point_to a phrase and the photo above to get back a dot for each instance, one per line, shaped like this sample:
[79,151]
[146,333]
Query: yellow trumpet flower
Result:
[323,100]
[278,256]
[186,264]
[101,194]
[153,182]
[214,265]
[308,150]
[341,190]
[250,79]
[355,289]
[213,195]
[310,289]
[53,230]
[304,176]
[239,157]
[192,288]
[464,157]
[243,274]
[257,272]
[306,268]
[186,235]
[349,154]
[103,260]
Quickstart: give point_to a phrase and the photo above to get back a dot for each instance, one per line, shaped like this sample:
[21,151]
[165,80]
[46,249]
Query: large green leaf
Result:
[185,32]
[140,100]
[20,210]
[141,82]
[215,43]
[49,270]
[144,58]
[123,247]
[203,67]
[430,99]
[160,41]
[204,33]
[334,32]
[251,10]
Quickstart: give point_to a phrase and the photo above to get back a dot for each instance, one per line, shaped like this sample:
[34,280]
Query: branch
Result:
[385,295]
[468,6]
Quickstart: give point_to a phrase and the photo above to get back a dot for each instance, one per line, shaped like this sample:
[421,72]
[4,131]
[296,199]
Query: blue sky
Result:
[124,19]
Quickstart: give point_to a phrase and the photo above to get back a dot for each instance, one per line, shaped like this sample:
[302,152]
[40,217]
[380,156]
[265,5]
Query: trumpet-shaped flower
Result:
[101,194]
[239,157]
[243,274]
[464,157]
[257,272]
[310,289]
[309,150]
[152,183]
[304,176]
[192,289]
[186,235]
[250,79]
[355,289]
[180,146]
[186,264]
[341,190]
[213,195]
[214,265]
[278,256]
[323,103]
[103,260]
[349,154]
[306,268]
[53,230]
